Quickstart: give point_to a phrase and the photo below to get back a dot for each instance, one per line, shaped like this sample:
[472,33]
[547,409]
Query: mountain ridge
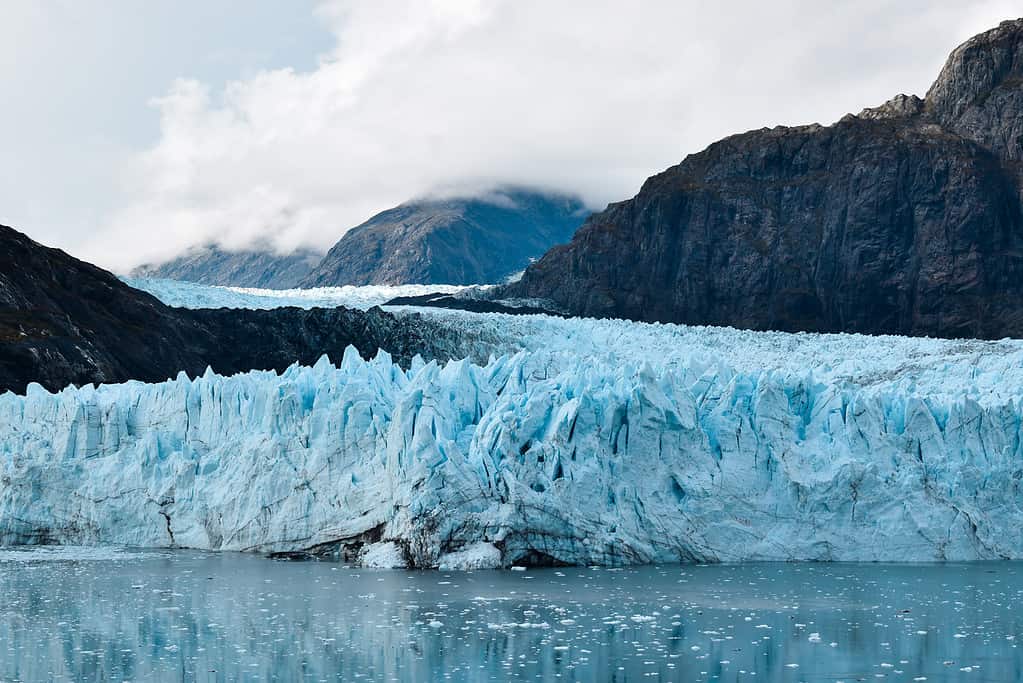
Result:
[64,321]
[479,239]
[257,267]
[905,219]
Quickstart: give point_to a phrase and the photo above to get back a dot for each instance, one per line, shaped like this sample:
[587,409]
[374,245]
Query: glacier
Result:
[193,295]
[989,370]
[553,442]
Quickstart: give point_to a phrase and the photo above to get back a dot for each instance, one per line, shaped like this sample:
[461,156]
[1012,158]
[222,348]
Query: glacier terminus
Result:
[541,456]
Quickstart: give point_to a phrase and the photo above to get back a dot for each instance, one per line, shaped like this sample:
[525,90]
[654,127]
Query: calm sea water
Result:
[98,615]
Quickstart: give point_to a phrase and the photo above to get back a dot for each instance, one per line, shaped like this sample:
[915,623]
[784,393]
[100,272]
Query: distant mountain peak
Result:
[459,239]
[257,266]
[976,67]
[897,107]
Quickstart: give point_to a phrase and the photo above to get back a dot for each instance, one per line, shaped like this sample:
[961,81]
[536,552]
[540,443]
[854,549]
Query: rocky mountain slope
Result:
[903,219]
[64,321]
[450,241]
[213,265]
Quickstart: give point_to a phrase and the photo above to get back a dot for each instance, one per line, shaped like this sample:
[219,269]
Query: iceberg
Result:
[539,457]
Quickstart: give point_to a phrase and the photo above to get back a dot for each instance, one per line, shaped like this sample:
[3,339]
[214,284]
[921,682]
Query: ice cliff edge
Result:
[468,465]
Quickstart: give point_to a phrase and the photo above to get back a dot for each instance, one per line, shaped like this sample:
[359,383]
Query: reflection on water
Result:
[182,615]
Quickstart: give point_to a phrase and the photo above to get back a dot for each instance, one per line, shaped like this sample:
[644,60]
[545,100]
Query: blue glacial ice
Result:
[833,448]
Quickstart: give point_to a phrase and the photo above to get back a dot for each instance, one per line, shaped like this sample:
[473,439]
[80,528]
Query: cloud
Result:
[422,96]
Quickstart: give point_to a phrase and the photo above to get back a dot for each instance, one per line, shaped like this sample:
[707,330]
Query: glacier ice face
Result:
[536,457]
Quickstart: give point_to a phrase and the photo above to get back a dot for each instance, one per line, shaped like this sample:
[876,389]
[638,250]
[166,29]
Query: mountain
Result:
[451,241]
[64,321]
[903,219]
[213,265]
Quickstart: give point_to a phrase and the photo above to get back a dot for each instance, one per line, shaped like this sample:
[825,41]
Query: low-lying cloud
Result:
[442,95]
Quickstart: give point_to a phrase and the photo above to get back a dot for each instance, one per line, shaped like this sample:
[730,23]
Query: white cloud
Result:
[419,96]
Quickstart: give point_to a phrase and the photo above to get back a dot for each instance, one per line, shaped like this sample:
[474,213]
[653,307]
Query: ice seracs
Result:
[988,370]
[526,459]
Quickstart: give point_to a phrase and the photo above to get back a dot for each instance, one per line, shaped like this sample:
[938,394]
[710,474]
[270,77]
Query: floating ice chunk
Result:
[480,555]
[385,555]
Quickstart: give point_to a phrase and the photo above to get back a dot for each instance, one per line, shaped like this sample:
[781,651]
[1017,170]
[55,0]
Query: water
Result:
[85,615]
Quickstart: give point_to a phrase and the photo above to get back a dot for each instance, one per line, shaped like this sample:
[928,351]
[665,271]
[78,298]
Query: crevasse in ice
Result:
[519,461]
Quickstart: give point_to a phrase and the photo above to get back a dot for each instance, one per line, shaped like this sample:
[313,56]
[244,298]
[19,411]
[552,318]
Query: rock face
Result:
[905,219]
[979,93]
[462,466]
[455,241]
[64,321]
[212,265]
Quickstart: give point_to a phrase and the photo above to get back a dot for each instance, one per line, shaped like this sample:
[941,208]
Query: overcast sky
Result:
[132,130]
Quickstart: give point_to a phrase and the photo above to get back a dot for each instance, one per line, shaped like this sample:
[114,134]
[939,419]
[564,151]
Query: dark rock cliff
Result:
[451,241]
[905,219]
[64,321]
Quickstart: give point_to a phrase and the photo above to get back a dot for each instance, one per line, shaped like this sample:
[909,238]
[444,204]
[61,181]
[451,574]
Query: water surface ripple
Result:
[107,615]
